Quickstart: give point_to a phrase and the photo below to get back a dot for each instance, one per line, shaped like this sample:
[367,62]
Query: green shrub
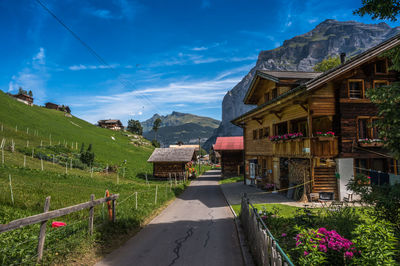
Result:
[376,242]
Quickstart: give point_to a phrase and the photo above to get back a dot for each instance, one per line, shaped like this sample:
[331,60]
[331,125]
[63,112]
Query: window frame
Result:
[379,81]
[370,129]
[386,67]
[362,88]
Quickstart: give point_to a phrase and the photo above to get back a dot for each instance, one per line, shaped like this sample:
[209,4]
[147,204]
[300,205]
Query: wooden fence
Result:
[42,218]
[263,245]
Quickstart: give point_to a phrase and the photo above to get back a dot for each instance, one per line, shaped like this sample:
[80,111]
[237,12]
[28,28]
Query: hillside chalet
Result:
[112,124]
[230,150]
[171,161]
[24,98]
[57,107]
[317,128]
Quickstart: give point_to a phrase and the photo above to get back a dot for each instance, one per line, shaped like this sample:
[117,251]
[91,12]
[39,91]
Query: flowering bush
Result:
[269,186]
[326,134]
[286,136]
[360,184]
[191,169]
[324,247]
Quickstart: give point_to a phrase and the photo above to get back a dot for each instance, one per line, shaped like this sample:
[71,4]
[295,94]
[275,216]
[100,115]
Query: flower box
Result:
[371,144]
[325,138]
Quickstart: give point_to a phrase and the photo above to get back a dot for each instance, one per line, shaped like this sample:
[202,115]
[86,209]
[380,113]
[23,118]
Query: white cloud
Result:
[140,113]
[313,20]
[201,48]
[33,77]
[124,10]
[85,67]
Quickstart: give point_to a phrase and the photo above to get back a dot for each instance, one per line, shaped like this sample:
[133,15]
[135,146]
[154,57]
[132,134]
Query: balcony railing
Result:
[306,147]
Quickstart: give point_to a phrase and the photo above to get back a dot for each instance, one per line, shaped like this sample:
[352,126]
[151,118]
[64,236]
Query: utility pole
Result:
[198,160]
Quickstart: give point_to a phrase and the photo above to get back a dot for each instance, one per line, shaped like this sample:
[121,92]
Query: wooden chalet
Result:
[171,161]
[231,152]
[24,98]
[57,107]
[113,124]
[288,136]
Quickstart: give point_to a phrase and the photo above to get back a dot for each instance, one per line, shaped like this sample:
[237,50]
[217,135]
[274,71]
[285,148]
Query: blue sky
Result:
[167,55]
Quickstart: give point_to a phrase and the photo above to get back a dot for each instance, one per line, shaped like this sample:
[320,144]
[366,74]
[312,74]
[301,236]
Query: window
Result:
[266,97]
[274,93]
[255,134]
[266,132]
[381,67]
[356,89]
[367,128]
[260,133]
[299,126]
[363,128]
[281,128]
[380,83]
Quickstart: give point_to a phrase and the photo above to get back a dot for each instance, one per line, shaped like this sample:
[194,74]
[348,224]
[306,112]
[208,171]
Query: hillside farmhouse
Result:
[230,150]
[57,107]
[24,98]
[318,128]
[113,124]
[171,161]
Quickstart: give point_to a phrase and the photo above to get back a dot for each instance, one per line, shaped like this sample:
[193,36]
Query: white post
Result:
[147,181]
[50,139]
[66,168]
[1,127]
[155,196]
[41,163]
[12,145]
[117,178]
[27,130]
[175,179]
[12,196]
[107,169]
[136,199]
[24,161]
[123,172]
[2,156]
[53,159]
[33,151]
[27,143]
[41,143]
[91,172]
[76,145]
[71,164]
[16,128]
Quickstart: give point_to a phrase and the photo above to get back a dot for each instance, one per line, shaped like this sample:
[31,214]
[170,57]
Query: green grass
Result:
[284,210]
[31,185]
[231,180]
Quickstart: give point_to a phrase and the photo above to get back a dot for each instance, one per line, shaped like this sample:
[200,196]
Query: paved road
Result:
[196,229]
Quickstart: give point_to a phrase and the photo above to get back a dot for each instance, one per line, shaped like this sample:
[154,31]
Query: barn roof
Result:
[171,155]
[228,143]
[185,146]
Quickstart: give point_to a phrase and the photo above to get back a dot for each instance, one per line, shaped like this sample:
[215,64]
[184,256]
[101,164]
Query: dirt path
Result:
[196,229]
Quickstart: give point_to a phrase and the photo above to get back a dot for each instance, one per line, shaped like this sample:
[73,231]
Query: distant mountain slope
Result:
[187,133]
[177,119]
[301,53]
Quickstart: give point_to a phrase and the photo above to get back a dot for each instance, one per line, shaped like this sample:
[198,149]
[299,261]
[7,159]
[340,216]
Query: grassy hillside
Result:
[30,185]
[177,119]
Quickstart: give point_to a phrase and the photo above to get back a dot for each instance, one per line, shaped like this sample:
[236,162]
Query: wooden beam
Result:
[277,114]
[53,214]
[260,120]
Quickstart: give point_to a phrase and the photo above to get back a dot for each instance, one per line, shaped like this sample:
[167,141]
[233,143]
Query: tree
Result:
[21,91]
[327,64]
[156,126]
[155,143]
[135,127]
[30,93]
[380,9]
[387,98]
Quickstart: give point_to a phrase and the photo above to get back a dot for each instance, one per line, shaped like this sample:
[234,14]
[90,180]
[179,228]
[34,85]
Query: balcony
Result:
[306,147]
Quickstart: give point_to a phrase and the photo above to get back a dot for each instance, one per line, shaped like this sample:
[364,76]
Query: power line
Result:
[95,54]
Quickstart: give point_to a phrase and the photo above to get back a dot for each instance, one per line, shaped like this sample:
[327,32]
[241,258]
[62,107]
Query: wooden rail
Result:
[42,218]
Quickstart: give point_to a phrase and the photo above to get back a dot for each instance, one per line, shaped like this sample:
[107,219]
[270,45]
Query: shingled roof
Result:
[171,155]
[228,143]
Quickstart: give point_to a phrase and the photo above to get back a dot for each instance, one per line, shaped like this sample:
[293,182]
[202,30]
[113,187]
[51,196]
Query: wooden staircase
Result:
[325,180]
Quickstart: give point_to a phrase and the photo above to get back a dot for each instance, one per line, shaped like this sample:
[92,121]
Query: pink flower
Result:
[368,177]
[305,253]
[323,248]
[283,235]
[348,254]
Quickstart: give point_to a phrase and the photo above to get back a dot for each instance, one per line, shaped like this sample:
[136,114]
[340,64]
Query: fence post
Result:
[24,161]
[155,195]
[91,214]
[136,199]
[42,233]
[113,210]
[2,156]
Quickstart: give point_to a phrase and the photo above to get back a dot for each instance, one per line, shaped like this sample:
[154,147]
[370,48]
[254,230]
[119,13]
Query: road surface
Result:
[196,229]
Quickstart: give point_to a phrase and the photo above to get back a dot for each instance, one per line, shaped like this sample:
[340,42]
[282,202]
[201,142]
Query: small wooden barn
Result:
[113,124]
[231,151]
[24,98]
[57,107]
[172,161]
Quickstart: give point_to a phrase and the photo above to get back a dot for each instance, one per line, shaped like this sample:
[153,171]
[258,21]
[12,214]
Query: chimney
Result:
[342,58]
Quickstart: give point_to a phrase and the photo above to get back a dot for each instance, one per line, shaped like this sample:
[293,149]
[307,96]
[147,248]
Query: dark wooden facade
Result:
[231,163]
[24,98]
[167,169]
[334,101]
[113,124]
